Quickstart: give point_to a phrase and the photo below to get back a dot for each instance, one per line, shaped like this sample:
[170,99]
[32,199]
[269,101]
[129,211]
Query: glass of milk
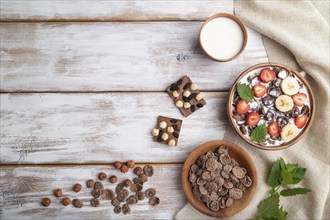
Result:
[223,37]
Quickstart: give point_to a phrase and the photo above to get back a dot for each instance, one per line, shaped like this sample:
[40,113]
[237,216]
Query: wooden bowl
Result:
[237,20]
[285,144]
[234,152]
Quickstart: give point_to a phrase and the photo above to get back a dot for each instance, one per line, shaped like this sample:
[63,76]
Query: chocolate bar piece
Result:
[186,96]
[167,131]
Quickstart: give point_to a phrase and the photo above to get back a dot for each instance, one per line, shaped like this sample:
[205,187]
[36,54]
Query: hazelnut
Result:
[138,170]
[179,104]
[155,132]
[58,192]
[175,94]
[127,183]
[77,187]
[66,201]
[45,202]
[90,183]
[117,164]
[113,179]
[193,86]
[170,129]
[187,105]
[163,124]
[130,163]
[199,97]
[102,176]
[171,143]
[124,169]
[165,136]
[186,93]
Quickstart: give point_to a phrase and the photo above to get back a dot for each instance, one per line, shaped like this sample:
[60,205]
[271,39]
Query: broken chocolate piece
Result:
[168,134]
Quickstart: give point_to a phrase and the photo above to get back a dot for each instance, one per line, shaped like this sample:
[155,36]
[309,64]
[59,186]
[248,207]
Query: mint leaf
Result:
[274,178]
[291,173]
[295,191]
[281,214]
[298,174]
[267,208]
[259,133]
[245,92]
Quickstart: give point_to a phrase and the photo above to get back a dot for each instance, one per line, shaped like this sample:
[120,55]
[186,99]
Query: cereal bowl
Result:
[271,106]
[242,168]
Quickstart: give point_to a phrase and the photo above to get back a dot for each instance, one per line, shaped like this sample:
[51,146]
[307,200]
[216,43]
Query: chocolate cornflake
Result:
[96,193]
[98,185]
[126,209]
[132,200]
[214,206]
[235,193]
[137,180]
[211,164]
[122,195]
[95,202]
[117,209]
[238,172]
[107,194]
[154,201]
[115,201]
[143,178]
[140,195]
[148,170]
[119,188]
[151,192]
[77,203]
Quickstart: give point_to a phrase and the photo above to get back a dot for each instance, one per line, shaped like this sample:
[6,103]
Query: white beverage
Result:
[222,38]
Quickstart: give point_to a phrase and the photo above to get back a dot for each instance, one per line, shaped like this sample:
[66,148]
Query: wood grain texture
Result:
[105,10]
[138,56]
[22,189]
[101,128]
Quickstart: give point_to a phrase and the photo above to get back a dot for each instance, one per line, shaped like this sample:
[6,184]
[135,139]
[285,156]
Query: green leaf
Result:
[245,92]
[291,173]
[295,191]
[298,174]
[274,178]
[281,214]
[259,133]
[267,208]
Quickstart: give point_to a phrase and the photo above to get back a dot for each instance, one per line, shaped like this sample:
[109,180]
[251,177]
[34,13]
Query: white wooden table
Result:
[82,84]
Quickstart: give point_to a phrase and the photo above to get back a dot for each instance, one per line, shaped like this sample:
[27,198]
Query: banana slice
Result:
[290,86]
[289,132]
[284,103]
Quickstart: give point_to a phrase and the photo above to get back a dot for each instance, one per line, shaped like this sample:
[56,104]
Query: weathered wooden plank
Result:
[22,189]
[104,10]
[100,127]
[113,57]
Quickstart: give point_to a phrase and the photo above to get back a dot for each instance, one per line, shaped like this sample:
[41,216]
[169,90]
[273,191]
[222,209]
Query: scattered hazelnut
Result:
[127,183]
[186,93]
[102,176]
[170,129]
[199,97]
[90,183]
[179,104]
[76,187]
[138,170]
[193,86]
[58,192]
[45,202]
[155,132]
[165,136]
[113,179]
[124,169]
[66,201]
[187,105]
[130,163]
[171,143]
[163,124]
[175,94]
[117,164]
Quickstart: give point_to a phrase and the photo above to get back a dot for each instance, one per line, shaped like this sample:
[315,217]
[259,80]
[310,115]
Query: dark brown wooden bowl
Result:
[234,152]
[286,144]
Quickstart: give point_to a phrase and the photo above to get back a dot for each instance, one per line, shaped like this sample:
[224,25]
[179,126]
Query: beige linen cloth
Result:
[296,33]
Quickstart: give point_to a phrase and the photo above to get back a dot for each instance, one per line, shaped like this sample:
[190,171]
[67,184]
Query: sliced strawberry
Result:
[299,99]
[273,129]
[267,75]
[242,107]
[252,118]
[259,90]
[300,121]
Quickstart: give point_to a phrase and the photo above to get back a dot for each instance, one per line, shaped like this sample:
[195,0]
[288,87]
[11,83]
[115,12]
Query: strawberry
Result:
[242,107]
[259,90]
[252,118]
[299,99]
[300,121]
[273,129]
[267,75]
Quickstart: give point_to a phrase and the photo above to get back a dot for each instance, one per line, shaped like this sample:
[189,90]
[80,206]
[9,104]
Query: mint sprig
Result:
[245,92]
[281,175]
[259,133]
